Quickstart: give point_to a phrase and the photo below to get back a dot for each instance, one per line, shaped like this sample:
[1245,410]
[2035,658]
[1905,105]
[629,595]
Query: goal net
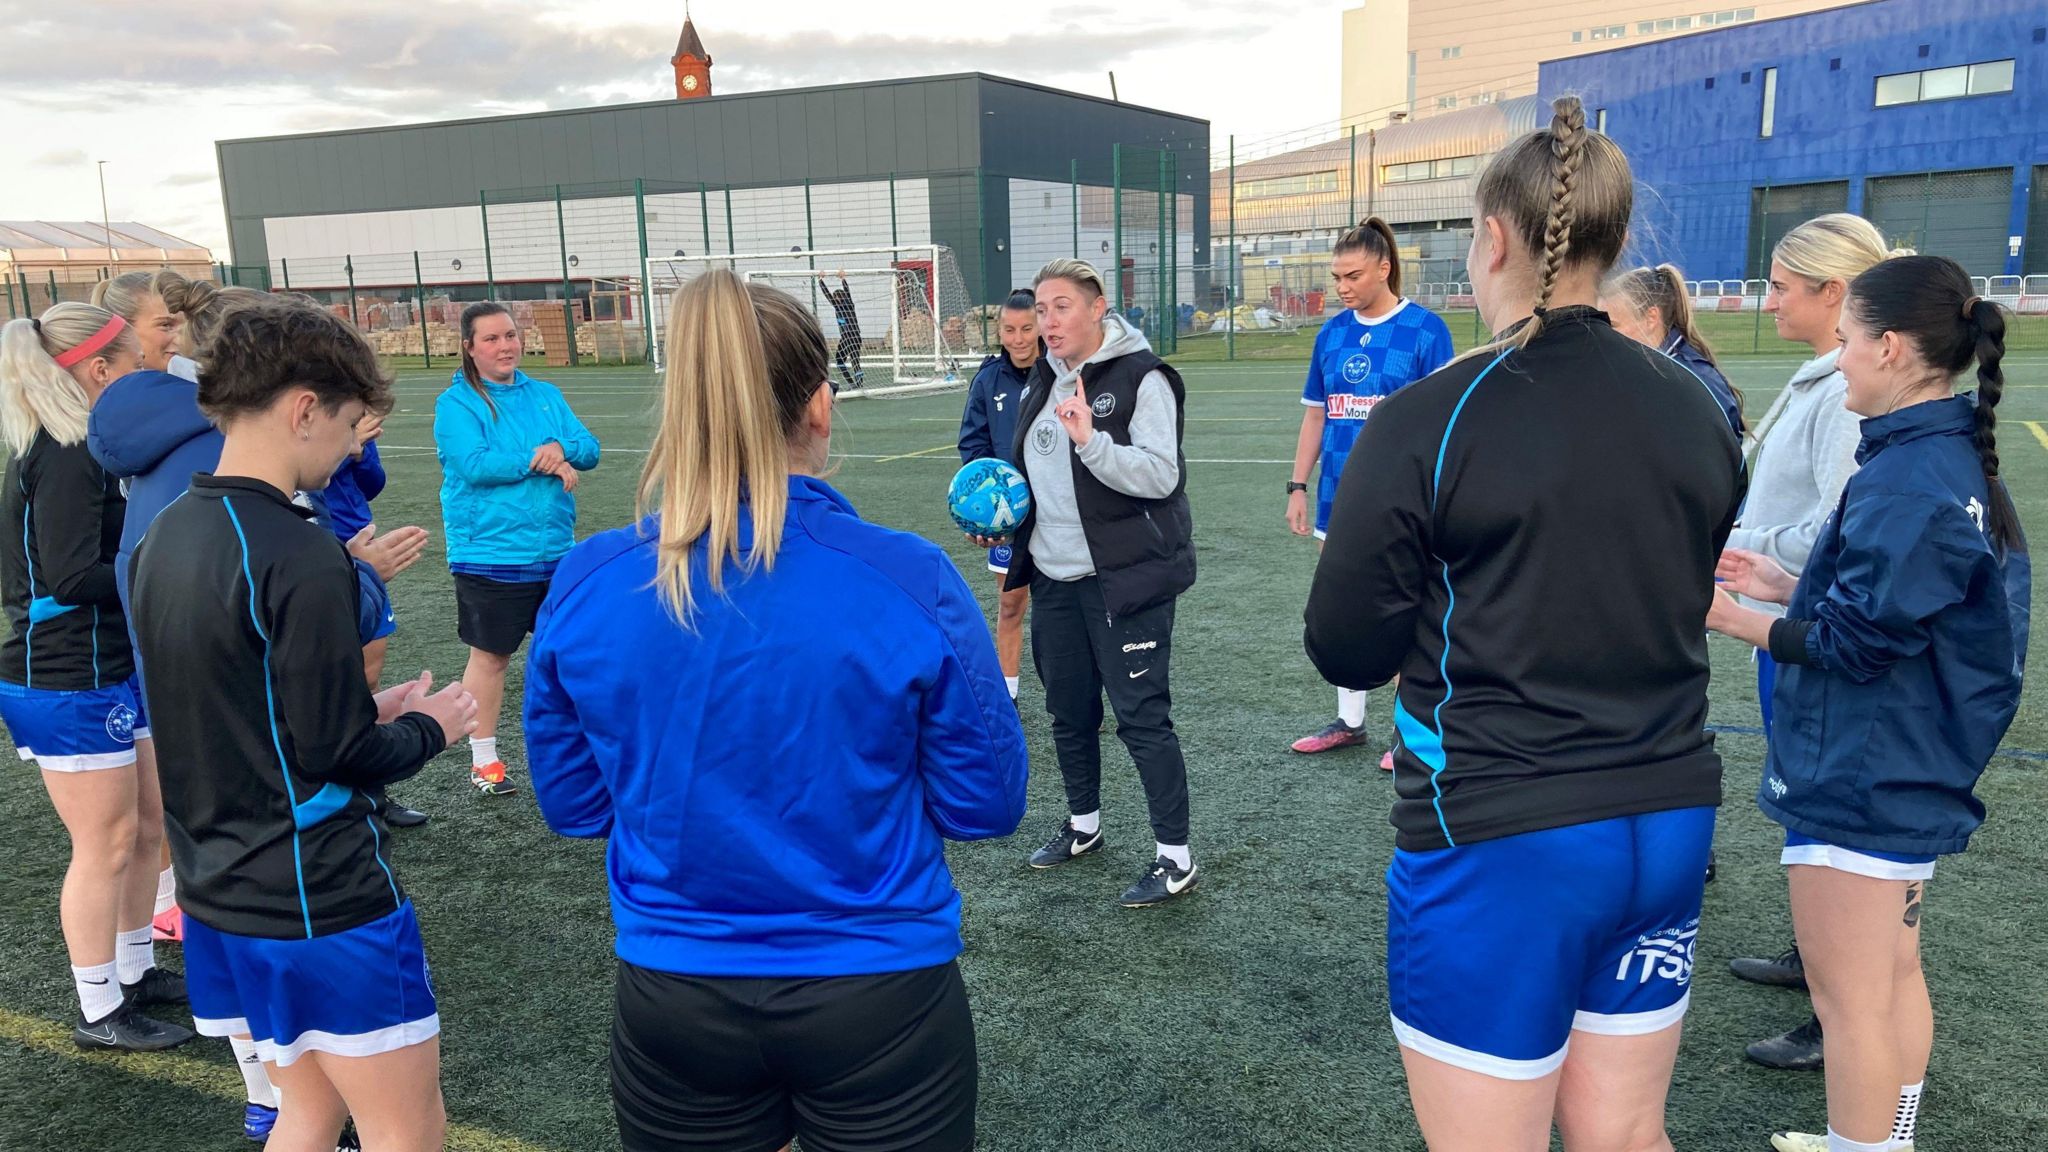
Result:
[897,319]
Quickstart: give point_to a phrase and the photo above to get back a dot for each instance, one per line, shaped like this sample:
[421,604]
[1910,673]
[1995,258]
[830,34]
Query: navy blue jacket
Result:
[1679,349]
[776,782]
[1901,650]
[147,429]
[988,426]
[355,484]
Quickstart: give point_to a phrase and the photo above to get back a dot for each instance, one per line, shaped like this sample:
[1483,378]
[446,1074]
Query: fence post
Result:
[1351,183]
[1074,194]
[981,249]
[1159,292]
[1230,261]
[490,277]
[286,264]
[1756,330]
[568,293]
[646,288]
[810,237]
[1116,226]
[53,286]
[348,266]
[893,241]
[730,250]
[1926,202]
[704,210]
[419,295]
[10,298]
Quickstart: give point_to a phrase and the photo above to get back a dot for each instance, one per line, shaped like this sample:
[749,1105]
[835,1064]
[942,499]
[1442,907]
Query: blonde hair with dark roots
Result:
[35,394]
[1837,246]
[746,363]
[1567,194]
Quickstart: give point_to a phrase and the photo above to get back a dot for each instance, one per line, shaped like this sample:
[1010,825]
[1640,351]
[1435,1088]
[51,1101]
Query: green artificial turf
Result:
[1249,1016]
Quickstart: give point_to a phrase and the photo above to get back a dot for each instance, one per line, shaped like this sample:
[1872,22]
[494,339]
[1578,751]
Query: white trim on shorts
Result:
[143,733]
[1856,863]
[999,572]
[1632,1023]
[377,1043]
[1498,1067]
[237,1026]
[1321,535]
[90,762]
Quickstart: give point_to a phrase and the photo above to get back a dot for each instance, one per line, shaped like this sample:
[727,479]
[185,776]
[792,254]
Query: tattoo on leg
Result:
[1913,904]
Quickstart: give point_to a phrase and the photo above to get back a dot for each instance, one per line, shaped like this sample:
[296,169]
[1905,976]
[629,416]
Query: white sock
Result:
[166,892]
[1087,825]
[482,750]
[134,954]
[99,991]
[1179,854]
[1010,682]
[1840,1143]
[254,1079]
[1351,707]
[1908,1116]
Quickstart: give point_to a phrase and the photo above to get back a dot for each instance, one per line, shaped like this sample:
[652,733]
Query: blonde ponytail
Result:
[747,361]
[35,394]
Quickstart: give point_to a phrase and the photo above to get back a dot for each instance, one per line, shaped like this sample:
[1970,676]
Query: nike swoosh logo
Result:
[1139,673]
[95,981]
[104,1035]
[1177,889]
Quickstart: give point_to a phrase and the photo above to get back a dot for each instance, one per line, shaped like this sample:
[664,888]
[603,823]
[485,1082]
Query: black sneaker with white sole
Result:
[1161,882]
[128,1030]
[156,987]
[1065,845]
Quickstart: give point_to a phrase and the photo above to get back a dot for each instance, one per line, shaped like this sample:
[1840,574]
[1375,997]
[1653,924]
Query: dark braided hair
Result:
[1928,300]
[1375,239]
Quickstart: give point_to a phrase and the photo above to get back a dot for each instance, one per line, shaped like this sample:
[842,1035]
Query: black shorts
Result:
[849,1063]
[495,616]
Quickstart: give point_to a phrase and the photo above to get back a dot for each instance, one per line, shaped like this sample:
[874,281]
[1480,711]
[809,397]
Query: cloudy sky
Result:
[148,85]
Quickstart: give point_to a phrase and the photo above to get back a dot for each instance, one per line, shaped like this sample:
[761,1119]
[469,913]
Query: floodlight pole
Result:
[106,221]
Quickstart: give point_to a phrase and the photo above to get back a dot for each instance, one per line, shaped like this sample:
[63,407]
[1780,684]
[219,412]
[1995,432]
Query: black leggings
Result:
[848,353]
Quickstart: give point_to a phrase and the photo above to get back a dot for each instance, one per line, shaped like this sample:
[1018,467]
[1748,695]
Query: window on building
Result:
[1578,36]
[1429,170]
[1600,121]
[1988,77]
[1645,27]
[1770,118]
[1451,53]
[1304,183]
[1599,33]
[1666,24]
[1684,22]
[1745,13]
[1616,31]
[1727,17]
[1447,101]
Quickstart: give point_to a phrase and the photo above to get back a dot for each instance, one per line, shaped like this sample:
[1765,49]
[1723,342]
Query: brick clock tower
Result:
[692,63]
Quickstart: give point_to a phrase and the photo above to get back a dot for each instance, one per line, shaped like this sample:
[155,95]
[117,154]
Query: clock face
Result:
[689,83]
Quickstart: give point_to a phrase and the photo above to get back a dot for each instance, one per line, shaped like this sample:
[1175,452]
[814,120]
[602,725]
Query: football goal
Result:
[897,319]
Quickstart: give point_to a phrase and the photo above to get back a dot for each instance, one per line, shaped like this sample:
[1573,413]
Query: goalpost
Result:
[919,333]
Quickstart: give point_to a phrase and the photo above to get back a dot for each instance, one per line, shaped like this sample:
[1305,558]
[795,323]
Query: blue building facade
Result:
[1928,118]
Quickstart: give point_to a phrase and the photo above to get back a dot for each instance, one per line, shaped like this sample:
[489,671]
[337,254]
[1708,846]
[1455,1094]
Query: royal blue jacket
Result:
[147,429]
[348,495]
[777,781]
[988,426]
[494,508]
[1900,654]
[1680,349]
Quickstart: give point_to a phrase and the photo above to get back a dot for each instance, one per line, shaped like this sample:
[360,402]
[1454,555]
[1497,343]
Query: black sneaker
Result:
[1785,970]
[399,816]
[126,1029]
[1065,845]
[1712,863]
[156,987]
[1796,1051]
[349,1142]
[1163,881]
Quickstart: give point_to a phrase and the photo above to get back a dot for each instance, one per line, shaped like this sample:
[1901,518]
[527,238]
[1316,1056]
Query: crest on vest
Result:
[1103,405]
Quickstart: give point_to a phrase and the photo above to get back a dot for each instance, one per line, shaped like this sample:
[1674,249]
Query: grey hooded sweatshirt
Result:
[1148,467]
[1808,453]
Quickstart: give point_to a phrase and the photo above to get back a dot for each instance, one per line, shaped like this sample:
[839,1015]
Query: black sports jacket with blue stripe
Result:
[63,519]
[1528,540]
[266,732]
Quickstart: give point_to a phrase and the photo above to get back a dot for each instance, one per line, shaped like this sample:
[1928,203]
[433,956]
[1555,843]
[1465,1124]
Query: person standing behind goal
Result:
[847,354]
[1107,550]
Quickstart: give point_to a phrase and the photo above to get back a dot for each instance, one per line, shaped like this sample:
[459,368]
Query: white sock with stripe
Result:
[483,750]
[1351,707]
[255,1079]
[1908,1115]
[99,991]
[1840,1143]
[134,954]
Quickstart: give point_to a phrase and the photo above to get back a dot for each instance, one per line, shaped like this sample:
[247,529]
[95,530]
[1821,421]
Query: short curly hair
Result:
[266,345]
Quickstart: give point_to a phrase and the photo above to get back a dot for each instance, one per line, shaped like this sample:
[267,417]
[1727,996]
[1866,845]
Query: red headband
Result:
[93,343]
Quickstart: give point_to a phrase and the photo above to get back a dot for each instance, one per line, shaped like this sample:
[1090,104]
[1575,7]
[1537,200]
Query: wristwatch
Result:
[1294,486]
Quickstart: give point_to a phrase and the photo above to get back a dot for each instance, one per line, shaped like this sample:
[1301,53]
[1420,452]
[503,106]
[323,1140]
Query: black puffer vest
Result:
[1144,550]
